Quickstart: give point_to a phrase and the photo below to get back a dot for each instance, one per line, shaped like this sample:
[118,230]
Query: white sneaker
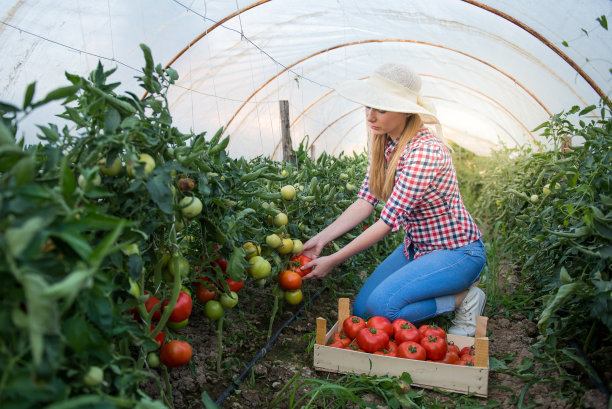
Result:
[472,306]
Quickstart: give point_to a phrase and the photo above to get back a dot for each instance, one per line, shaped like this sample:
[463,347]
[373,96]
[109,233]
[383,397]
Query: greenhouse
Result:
[167,167]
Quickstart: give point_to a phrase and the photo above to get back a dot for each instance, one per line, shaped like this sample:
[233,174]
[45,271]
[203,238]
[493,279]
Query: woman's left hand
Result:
[321,266]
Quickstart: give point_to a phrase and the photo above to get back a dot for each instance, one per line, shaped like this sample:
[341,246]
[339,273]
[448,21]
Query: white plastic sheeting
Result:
[490,67]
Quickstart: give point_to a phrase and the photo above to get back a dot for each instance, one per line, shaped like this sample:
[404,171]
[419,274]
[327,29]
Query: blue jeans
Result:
[416,290]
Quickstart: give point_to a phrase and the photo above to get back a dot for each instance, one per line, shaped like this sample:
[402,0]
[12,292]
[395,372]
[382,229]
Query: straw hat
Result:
[392,87]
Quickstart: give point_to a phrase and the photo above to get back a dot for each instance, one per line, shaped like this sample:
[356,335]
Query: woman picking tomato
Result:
[412,173]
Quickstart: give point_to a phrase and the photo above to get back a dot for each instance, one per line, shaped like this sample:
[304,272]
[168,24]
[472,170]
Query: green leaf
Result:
[112,119]
[6,136]
[496,365]
[67,180]
[24,170]
[27,100]
[148,68]
[564,292]
[75,240]
[105,247]
[18,238]
[587,110]
[564,276]
[565,43]
[59,93]
[603,21]
[235,267]
[158,187]
[208,402]
[172,74]
[73,329]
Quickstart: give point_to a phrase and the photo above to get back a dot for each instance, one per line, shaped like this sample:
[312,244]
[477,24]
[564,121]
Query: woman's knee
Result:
[378,307]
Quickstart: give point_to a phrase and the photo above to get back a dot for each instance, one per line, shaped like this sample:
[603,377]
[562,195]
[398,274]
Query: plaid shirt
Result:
[425,200]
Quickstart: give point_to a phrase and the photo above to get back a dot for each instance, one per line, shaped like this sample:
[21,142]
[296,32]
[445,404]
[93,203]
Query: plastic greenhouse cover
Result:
[494,69]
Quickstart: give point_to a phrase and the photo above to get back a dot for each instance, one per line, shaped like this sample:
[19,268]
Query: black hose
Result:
[591,371]
[262,352]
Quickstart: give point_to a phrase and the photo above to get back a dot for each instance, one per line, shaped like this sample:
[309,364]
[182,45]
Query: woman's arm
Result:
[351,217]
[323,265]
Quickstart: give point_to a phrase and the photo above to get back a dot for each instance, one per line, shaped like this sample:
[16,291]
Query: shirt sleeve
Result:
[414,175]
[364,192]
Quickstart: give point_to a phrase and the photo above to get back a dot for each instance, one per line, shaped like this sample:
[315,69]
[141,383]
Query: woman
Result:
[411,171]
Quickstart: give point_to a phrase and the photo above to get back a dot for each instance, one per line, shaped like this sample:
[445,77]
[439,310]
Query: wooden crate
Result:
[454,378]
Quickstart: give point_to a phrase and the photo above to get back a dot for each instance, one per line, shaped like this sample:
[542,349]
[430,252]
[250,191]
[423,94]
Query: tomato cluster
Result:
[402,339]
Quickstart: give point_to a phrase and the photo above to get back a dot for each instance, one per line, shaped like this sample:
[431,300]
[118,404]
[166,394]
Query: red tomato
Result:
[411,350]
[222,263]
[460,362]
[338,337]
[352,325]
[176,353]
[289,280]
[354,346]
[234,286]
[182,308]
[301,260]
[204,294]
[386,352]
[435,347]
[392,346]
[450,358]
[159,338]
[397,324]
[466,350]
[468,359]
[337,344]
[432,329]
[151,302]
[382,324]
[372,339]
[407,332]
[454,348]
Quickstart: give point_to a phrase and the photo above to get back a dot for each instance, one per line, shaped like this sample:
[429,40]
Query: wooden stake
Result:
[343,311]
[285,132]
[481,326]
[321,330]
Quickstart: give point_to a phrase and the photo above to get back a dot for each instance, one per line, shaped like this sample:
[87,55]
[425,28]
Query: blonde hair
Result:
[382,174]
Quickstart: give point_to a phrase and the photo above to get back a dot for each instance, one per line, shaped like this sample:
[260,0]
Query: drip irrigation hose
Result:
[262,352]
[591,371]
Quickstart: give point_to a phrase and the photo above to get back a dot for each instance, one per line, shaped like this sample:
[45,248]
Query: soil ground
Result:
[245,334]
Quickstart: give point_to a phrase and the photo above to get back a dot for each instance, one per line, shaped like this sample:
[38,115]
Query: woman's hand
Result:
[321,266]
[313,247]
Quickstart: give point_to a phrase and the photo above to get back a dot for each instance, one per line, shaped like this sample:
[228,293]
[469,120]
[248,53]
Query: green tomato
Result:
[94,376]
[280,219]
[229,300]
[143,158]
[113,170]
[190,206]
[178,264]
[177,325]
[260,267]
[294,297]
[134,288]
[153,360]
[273,241]
[130,249]
[288,192]
[213,310]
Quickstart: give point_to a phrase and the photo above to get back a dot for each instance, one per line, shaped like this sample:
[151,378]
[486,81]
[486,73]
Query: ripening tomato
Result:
[380,323]
[407,332]
[435,347]
[150,303]
[433,330]
[182,308]
[185,184]
[160,337]
[372,339]
[176,353]
[411,350]
[301,261]
[203,294]
[289,280]
[234,286]
[352,325]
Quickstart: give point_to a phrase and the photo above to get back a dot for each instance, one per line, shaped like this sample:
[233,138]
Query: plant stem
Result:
[274,310]
[220,341]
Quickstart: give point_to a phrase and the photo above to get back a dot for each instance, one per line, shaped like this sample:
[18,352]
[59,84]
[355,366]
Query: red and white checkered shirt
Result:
[425,200]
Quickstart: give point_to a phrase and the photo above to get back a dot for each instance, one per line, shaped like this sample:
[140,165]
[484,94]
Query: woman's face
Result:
[386,122]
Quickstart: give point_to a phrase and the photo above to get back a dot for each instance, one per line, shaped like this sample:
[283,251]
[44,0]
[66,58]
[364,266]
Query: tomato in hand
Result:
[411,350]
[380,323]
[407,332]
[301,261]
[182,308]
[372,339]
[289,280]
[352,325]
[433,330]
[435,347]
[176,353]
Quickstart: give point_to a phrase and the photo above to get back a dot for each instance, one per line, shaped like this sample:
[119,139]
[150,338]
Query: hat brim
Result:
[365,93]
